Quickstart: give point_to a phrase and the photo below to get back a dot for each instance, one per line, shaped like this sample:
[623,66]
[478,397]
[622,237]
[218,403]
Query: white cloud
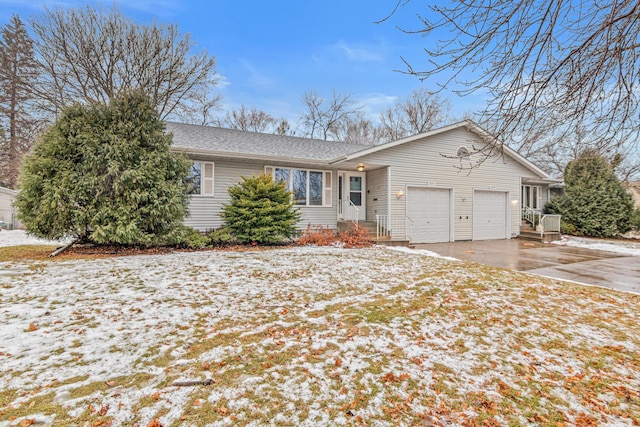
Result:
[357,53]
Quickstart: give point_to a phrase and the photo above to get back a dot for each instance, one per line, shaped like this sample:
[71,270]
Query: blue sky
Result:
[269,53]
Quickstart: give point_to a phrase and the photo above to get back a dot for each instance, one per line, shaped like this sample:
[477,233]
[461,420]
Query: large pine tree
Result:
[594,203]
[18,72]
[104,174]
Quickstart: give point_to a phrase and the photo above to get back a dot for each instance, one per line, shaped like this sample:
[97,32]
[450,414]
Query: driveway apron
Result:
[588,266]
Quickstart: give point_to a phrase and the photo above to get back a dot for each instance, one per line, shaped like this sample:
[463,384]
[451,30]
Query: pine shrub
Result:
[595,202]
[104,174]
[261,211]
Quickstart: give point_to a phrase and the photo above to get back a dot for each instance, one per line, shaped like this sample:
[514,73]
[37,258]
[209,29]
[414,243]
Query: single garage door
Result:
[429,213]
[490,215]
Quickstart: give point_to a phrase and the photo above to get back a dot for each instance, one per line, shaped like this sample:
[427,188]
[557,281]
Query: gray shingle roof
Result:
[253,144]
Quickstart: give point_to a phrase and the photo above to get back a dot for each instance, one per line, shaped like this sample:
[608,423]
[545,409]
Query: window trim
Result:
[204,179]
[325,191]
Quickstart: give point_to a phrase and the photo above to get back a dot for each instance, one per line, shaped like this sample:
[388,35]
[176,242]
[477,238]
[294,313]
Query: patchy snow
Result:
[20,237]
[626,247]
[308,336]
[421,252]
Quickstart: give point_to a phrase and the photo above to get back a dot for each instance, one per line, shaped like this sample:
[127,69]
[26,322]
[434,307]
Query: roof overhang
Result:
[248,156]
[467,124]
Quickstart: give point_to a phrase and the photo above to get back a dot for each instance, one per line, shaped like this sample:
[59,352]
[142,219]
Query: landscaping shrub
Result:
[356,237]
[261,211]
[635,219]
[104,174]
[221,237]
[595,202]
[317,235]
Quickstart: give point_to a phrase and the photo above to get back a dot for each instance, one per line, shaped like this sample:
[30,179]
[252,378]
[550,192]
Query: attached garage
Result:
[429,214]
[490,215]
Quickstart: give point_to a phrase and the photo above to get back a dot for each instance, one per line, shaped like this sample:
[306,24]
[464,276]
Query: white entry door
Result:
[354,195]
[429,213]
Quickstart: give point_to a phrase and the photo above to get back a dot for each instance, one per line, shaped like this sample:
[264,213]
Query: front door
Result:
[353,196]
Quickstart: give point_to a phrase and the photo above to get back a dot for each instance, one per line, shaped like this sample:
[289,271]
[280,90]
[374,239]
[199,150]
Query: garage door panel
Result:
[490,215]
[429,211]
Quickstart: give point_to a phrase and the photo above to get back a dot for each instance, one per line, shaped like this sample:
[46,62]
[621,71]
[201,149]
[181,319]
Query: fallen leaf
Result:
[154,423]
[338,362]
[206,365]
[32,327]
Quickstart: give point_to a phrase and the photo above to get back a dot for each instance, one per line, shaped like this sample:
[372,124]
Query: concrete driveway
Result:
[593,267]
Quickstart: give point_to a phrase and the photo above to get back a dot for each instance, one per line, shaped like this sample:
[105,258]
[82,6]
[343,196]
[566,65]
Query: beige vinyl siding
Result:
[7,211]
[204,211]
[377,193]
[423,163]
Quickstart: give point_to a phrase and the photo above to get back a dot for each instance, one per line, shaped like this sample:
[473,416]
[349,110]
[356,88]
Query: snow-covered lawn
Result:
[19,237]
[312,337]
[625,247]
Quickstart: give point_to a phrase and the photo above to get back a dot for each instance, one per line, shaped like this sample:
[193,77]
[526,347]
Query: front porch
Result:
[539,227]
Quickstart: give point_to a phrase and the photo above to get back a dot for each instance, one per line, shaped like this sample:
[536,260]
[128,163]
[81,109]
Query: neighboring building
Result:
[7,211]
[416,188]
[634,189]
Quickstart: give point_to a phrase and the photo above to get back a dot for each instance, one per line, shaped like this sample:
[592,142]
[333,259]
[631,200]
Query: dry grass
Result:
[314,337]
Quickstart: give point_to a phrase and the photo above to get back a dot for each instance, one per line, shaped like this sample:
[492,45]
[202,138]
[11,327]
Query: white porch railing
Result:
[351,213]
[531,216]
[542,223]
[550,223]
[391,228]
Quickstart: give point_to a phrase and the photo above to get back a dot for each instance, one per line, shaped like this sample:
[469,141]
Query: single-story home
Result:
[7,210]
[418,188]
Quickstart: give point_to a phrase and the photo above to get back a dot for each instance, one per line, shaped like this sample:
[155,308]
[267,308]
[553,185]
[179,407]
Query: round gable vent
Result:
[463,153]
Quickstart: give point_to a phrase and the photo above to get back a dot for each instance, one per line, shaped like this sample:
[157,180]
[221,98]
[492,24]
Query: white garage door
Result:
[490,215]
[429,213]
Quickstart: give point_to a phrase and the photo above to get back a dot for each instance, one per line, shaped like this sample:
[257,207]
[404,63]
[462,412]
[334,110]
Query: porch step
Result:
[531,234]
[388,242]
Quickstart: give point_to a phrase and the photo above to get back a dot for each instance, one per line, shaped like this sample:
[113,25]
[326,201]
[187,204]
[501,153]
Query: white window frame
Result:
[529,189]
[326,190]
[205,179]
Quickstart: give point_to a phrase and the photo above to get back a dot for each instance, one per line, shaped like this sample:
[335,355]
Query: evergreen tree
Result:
[594,203]
[17,76]
[261,211]
[104,174]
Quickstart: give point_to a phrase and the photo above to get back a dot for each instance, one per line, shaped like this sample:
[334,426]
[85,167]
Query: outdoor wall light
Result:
[514,202]
[399,194]
[360,167]
[464,198]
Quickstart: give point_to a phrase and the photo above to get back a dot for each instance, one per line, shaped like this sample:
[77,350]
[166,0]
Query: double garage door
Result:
[430,215]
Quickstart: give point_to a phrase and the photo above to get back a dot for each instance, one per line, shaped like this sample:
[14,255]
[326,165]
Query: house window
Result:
[309,187]
[532,196]
[201,178]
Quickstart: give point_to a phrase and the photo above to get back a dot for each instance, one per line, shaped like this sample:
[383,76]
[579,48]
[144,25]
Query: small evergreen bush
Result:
[260,211]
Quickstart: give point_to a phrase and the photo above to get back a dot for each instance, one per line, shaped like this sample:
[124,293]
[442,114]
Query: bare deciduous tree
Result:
[363,131]
[88,55]
[18,122]
[249,120]
[420,112]
[327,119]
[574,63]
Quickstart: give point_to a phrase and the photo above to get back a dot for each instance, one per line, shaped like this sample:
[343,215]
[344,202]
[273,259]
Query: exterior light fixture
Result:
[360,167]
[514,202]
[399,194]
